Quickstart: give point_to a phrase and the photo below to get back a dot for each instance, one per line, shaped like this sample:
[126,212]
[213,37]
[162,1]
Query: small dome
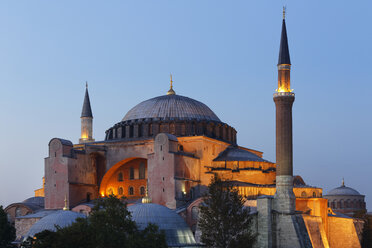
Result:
[343,190]
[171,106]
[38,200]
[176,230]
[60,218]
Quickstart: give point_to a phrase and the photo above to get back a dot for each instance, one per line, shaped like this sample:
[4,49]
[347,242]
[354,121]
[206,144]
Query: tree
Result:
[108,226]
[367,228]
[224,221]
[7,230]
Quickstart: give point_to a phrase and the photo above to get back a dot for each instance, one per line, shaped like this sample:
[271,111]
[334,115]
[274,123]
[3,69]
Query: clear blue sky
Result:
[223,53]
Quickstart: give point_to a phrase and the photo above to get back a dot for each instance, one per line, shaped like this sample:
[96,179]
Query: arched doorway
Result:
[127,178]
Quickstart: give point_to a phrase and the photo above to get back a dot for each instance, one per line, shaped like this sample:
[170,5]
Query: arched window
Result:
[303,194]
[314,194]
[131,131]
[333,205]
[140,130]
[120,177]
[89,195]
[172,128]
[18,212]
[142,190]
[354,204]
[131,173]
[120,191]
[142,170]
[150,130]
[110,191]
[195,212]
[131,190]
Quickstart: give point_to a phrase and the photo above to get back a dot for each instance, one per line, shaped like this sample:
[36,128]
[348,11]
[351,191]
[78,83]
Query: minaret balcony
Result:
[284,94]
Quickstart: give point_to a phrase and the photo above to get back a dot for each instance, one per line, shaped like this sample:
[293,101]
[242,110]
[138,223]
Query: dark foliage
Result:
[224,221]
[108,226]
[7,230]
[367,228]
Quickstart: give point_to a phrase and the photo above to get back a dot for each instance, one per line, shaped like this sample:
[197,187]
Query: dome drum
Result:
[149,127]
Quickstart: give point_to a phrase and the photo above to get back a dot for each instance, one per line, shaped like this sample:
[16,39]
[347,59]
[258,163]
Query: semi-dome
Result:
[59,218]
[173,107]
[343,190]
[36,200]
[178,234]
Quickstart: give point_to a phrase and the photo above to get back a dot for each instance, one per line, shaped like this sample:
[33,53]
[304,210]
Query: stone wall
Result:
[23,225]
[342,233]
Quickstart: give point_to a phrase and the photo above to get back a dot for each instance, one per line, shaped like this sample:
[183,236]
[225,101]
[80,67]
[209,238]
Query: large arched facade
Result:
[126,178]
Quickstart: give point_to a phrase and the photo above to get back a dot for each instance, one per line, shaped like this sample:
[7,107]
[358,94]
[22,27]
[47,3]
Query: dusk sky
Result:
[222,53]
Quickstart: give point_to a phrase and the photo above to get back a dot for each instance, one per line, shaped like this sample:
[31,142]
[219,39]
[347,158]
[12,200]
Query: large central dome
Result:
[171,107]
[174,114]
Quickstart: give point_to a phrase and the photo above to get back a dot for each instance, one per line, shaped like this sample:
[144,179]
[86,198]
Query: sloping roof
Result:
[233,153]
[172,107]
[284,50]
[87,110]
[39,214]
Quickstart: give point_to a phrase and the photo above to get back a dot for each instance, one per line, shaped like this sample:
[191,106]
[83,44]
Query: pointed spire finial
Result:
[284,58]
[343,182]
[66,205]
[147,199]
[171,91]
[87,110]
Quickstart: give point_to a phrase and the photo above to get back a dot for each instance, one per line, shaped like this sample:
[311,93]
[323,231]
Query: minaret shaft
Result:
[284,146]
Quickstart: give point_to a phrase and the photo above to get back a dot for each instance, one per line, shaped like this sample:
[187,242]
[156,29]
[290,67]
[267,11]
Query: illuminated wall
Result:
[129,180]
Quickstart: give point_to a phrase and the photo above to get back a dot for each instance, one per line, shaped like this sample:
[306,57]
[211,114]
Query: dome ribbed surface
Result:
[39,201]
[178,234]
[171,106]
[60,218]
[343,190]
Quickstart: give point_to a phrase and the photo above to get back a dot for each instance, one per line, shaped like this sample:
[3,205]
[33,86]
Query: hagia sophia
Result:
[168,148]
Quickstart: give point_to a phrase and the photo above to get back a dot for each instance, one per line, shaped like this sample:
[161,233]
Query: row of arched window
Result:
[304,194]
[212,129]
[142,173]
[346,204]
[142,190]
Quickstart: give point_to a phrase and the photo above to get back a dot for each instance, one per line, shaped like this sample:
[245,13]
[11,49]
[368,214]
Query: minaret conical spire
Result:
[284,58]
[87,110]
[86,120]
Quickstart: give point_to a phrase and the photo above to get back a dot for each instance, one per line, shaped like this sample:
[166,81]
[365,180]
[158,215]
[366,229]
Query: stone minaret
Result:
[284,98]
[86,120]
